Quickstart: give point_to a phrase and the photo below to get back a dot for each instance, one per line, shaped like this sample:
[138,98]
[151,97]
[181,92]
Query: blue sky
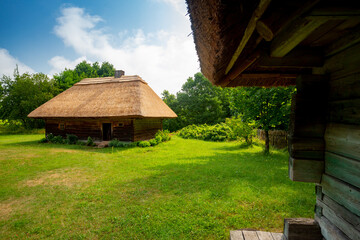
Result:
[143,37]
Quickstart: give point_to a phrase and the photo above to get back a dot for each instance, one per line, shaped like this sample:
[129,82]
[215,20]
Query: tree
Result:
[23,94]
[268,107]
[106,70]
[198,102]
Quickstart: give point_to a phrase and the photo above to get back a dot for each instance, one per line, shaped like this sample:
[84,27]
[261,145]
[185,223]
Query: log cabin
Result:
[120,107]
[314,45]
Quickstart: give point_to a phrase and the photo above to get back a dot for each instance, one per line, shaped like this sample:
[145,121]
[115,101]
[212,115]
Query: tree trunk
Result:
[267,141]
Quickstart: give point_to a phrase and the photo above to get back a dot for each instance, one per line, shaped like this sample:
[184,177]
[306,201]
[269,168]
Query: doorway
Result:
[106,131]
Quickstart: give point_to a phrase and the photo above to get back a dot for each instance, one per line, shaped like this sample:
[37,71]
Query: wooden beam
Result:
[302,58]
[271,25]
[263,79]
[305,170]
[290,37]
[263,4]
[344,42]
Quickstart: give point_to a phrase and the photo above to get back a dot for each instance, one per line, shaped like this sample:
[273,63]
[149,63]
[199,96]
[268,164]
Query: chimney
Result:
[119,73]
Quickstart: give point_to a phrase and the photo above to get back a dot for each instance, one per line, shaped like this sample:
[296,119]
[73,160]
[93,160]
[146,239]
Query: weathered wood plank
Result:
[336,217]
[290,37]
[277,236]
[307,148]
[343,193]
[329,230]
[236,235]
[341,211]
[263,4]
[345,88]
[304,170]
[343,140]
[344,42]
[345,111]
[344,63]
[250,235]
[343,168]
[264,235]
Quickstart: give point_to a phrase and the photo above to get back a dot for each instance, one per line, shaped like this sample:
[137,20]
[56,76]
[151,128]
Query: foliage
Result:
[22,95]
[164,134]
[89,142]
[153,142]
[158,139]
[205,189]
[218,132]
[57,139]
[43,140]
[198,102]
[71,139]
[68,77]
[117,143]
[144,144]
[241,129]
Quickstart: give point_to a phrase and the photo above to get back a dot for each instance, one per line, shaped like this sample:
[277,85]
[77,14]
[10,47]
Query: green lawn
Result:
[182,189]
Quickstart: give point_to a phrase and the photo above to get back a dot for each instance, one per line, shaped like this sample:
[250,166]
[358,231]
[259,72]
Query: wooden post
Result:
[301,229]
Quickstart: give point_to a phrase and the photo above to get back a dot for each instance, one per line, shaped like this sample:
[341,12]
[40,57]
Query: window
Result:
[121,124]
[62,126]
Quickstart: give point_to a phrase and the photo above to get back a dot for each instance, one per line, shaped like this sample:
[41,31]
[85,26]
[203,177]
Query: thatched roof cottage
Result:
[121,107]
[315,45]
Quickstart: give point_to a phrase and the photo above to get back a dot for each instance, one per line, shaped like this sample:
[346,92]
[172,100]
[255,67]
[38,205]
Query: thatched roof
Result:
[269,39]
[127,96]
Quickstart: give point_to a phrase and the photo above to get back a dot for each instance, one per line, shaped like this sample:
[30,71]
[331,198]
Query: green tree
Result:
[268,107]
[23,94]
[106,70]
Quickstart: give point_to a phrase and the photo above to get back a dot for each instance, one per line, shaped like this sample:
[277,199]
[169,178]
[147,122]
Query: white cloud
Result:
[59,63]
[164,59]
[178,5]
[8,64]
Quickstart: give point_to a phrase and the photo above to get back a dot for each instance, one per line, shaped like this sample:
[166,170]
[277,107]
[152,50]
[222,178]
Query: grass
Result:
[182,189]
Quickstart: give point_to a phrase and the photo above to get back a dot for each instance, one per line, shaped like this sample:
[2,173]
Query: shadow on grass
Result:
[262,177]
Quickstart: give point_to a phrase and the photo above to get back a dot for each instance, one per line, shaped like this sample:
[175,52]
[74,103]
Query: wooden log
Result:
[345,88]
[263,4]
[302,58]
[343,140]
[290,37]
[343,168]
[345,111]
[344,42]
[304,170]
[339,216]
[341,192]
[329,231]
[301,229]
[341,211]
[306,148]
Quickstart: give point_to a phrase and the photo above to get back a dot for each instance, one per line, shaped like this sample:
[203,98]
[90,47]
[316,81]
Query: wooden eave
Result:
[279,39]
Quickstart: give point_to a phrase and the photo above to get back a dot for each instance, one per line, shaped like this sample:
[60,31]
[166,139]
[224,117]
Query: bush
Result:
[153,142]
[144,144]
[71,139]
[57,139]
[219,132]
[43,140]
[114,143]
[89,142]
[158,139]
[164,134]
[50,137]
[81,143]
[241,129]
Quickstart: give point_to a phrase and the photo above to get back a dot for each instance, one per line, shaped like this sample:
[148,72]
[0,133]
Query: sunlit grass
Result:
[182,189]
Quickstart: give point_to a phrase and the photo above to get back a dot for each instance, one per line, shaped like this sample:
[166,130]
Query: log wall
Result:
[338,194]
[146,128]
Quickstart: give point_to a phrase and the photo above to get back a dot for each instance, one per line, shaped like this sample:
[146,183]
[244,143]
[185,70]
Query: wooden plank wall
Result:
[338,195]
[81,128]
[123,130]
[146,128]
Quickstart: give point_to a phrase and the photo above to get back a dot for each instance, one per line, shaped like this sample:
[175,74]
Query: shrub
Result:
[153,142]
[241,129]
[218,132]
[71,139]
[89,142]
[43,140]
[144,144]
[164,134]
[114,143]
[50,137]
[158,139]
[81,143]
[57,139]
